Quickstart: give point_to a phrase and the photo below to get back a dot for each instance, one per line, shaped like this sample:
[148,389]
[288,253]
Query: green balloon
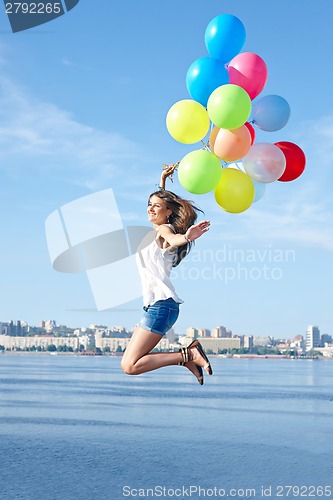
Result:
[229,106]
[199,171]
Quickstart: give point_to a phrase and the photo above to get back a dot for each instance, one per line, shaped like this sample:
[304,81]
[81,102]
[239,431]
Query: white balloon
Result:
[264,162]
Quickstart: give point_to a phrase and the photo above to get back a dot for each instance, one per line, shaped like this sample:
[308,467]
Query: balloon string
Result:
[206,145]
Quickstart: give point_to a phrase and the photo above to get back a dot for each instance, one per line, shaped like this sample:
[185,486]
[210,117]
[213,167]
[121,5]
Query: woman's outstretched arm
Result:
[177,240]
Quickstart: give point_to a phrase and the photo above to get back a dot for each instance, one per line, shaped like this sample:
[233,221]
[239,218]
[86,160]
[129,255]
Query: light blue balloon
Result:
[259,190]
[203,76]
[225,37]
[270,113]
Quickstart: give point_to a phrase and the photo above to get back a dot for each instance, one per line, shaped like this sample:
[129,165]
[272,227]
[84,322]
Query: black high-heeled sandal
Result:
[196,345]
[184,352]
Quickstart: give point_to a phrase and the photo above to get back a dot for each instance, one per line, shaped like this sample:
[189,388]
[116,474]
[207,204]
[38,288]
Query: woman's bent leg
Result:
[137,357]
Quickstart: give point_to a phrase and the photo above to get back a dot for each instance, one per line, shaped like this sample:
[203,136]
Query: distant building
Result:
[16,328]
[326,351]
[114,344]
[85,340]
[92,326]
[192,332]
[261,341]
[119,330]
[326,339]
[98,339]
[298,344]
[41,342]
[283,345]
[48,325]
[220,332]
[37,341]
[248,341]
[3,328]
[171,336]
[214,345]
[312,337]
[203,332]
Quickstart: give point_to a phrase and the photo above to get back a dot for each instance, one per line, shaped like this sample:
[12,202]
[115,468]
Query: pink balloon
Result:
[249,71]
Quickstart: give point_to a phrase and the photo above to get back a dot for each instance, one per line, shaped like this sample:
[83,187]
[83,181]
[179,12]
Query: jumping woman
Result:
[174,220]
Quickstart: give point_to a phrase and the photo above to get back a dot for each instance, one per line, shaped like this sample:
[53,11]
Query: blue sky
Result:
[83,102]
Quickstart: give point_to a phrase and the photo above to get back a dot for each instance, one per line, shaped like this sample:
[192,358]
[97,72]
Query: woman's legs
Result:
[138,359]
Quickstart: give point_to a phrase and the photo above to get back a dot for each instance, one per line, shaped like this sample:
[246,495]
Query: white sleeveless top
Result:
[155,265]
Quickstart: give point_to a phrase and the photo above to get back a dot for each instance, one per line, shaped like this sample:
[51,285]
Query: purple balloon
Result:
[270,113]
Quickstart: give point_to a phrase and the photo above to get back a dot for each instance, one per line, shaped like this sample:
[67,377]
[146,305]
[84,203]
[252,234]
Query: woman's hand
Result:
[197,230]
[167,171]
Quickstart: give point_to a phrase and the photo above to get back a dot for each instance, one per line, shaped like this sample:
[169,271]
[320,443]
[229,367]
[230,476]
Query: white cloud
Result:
[51,140]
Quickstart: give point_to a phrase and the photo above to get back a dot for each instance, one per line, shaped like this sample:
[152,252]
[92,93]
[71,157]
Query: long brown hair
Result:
[184,214]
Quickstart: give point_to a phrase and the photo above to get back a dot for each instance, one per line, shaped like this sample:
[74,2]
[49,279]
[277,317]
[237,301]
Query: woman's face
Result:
[158,212]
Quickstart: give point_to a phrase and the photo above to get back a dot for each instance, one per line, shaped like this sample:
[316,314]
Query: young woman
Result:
[174,222]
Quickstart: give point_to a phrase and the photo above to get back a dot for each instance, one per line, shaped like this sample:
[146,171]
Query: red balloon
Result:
[295,160]
[251,130]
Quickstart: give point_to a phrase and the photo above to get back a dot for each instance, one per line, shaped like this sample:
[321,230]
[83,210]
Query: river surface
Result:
[78,428]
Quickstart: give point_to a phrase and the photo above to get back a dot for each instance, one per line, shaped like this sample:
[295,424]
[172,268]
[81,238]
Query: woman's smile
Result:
[157,210]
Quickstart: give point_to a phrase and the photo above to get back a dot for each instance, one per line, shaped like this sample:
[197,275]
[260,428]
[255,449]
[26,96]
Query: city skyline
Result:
[81,117]
[100,339]
[218,331]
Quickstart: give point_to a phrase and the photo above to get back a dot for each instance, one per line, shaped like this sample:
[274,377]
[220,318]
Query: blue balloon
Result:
[225,37]
[270,113]
[259,190]
[203,76]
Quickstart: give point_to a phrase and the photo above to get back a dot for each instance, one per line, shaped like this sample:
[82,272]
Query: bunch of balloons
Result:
[222,87]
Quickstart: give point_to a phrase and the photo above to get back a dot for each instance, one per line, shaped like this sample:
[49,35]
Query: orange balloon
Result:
[212,137]
[231,145]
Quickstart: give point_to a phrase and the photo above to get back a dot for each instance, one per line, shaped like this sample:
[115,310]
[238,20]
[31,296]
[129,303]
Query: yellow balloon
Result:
[187,121]
[235,191]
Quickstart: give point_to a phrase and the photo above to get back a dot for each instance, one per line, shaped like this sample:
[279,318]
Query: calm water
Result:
[77,428]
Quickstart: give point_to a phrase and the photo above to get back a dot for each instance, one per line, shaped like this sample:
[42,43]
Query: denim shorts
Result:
[160,317]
